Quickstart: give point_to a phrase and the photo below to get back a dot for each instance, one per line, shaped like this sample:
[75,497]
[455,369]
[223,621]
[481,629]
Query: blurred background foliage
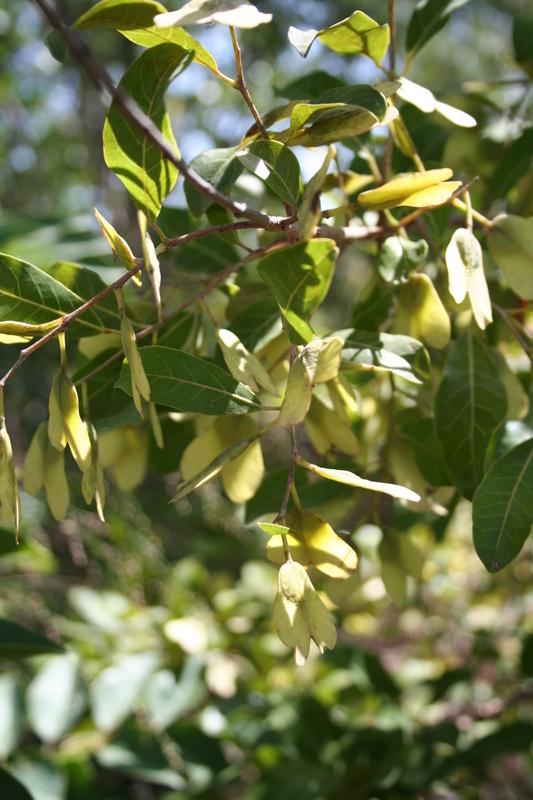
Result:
[172,683]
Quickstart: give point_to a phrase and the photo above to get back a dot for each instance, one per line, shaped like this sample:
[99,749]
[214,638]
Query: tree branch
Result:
[131,110]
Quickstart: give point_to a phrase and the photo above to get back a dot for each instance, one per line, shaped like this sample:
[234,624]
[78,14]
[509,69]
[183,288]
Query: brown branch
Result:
[217,280]
[241,85]
[132,111]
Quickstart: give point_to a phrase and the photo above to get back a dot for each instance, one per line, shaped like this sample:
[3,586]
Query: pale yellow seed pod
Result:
[56,429]
[396,191]
[9,491]
[34,463]
[55,483]
[139,382]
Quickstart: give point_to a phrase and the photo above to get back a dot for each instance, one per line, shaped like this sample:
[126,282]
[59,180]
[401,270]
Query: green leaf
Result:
[515,161]
[188,383]
[421,435]
[464,260]
[104,402]
[399,257]
[221,168]
[273,529]
[523,38]
[356,34]
[29,295]
[134,20]
[502,512]
[167,699]
[510,243]
[309,86]
[10,716]
[471,402]
[310,211]
[299,277]
[358,95]
[87,284]
[53,699]
[138,755]
[58,46]
[115,690]
[138,163]
[18,642]
[276,165]
[258,322]
[334,122]
[201,256]
[369,350]
[427,19]
[11,788]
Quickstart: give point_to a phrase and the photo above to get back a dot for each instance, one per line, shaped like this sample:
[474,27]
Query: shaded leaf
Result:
[11,788]
[502,512]
[401,355]
[189,383]
[18,642]
[510,242]
[53,698]
[299,277]
[514,162]
[471,402]
[220,168]
[138,163]
[427,19]
[29,295]
[276,165]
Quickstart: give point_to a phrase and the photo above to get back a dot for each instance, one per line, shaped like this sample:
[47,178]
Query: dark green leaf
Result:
[138,163]
[138,755]
[510,242]
[332,123]
[309,86]
[523,38]
[58,46]
[508,739]
[104,401]
[526,660]
[87,284]
[188,383]
[359,95]
[27,294]
[203,255]
[11,789]
[470,404]
[276,165]
[401,355]
[18,642]
[421,435]
[299,277]
[503,508]
[427,19]
[256,322]
[221,168]
[516,160]
[176,436]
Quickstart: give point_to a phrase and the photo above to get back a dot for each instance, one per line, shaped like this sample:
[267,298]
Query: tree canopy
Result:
[266,349]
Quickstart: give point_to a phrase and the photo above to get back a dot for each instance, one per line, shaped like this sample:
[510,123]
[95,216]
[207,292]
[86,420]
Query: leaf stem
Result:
[241,85]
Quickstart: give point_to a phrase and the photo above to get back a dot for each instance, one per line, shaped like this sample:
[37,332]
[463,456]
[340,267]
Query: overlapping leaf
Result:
[138,163]
[356,34]
[398,354]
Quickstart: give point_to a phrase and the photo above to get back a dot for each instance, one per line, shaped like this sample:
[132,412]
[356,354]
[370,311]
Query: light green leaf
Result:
[398,257]
[115,690]
[369,350]
[29,295]
[335,122]
[310,212]
[134,20]
[427,19]
[138,163]
[10,717]
[356,34]
[351,479]
[276,165]
[510,242]
[502,512]
[414,189]
[54,699]
[188,383]
[464,260]
[221,168]
[275,530]
[225,459]
[18,642]
[299,277]
[237,13]
[471,402]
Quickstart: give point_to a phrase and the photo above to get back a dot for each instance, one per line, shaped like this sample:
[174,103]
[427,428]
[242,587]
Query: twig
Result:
[217,280]
[131,110]
[241,85]
[392,45]
[517,333]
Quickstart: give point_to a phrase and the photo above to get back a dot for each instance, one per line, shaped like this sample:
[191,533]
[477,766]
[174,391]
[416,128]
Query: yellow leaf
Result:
[433,196]
[34,462]
[326,430]
[297,395]
[300,615]
[156,427]
[342,397]
[313,541]
[421,314]
[392,571]
[92,346]
[139,382]
[244,366]
[351,479]
[119,246]
[56,430]
[9,490]
[55,483]
[396,191]
[322,359]
[125,449]
[75,430]
[151,261]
